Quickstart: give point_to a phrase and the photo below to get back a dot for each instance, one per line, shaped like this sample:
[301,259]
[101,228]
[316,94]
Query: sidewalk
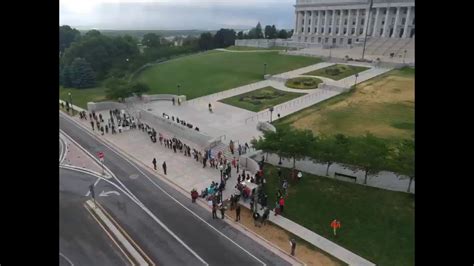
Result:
[188,174]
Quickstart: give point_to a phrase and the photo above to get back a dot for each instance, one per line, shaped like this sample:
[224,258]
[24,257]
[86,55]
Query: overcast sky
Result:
[175,14]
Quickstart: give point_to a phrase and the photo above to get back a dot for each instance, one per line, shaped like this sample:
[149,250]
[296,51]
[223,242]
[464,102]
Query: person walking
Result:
[154,163]
[164,167]
[237,213]
[293,246]
[335,224]
[92,124]
[214,210]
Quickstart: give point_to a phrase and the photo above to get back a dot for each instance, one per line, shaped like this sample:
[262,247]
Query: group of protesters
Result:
[180,121]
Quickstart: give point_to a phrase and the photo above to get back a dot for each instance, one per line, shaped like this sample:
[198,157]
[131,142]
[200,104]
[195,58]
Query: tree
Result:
[206,41]
[404,160]
[274,32]
[252,34]
[138,88]
[282,34]
[258,31]
[240,35]
[67,36]
[327,150]
[65,76]
[224,38]
[268,30]
[92,34]
[81,74]
[369,152]
[151,40]
[116,88]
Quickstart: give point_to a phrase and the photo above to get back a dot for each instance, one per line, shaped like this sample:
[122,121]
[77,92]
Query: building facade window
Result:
[362,22]
[329,31]
[345,31]
[352,31]
[309,21]
[326,40]
[337,30]
[341,40]
[403,21]
[322,30]
[302,29]
[319,40]
[361,30]
[349,41]
[312,39]
[345,22]
[309,29]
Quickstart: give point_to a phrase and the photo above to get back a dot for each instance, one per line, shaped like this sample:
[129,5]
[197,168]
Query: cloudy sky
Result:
[175,14]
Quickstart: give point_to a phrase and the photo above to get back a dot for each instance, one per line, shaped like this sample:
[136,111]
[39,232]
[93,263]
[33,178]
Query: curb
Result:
[131,250]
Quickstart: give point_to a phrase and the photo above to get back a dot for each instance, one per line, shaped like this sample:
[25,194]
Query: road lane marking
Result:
[109,235]
[144,208]
[66,258]
[159,187]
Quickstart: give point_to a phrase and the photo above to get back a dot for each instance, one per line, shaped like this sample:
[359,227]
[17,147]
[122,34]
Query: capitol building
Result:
[345,22]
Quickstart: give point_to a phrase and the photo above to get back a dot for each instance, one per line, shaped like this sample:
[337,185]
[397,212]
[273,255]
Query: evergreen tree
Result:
[258,31]
[81,74]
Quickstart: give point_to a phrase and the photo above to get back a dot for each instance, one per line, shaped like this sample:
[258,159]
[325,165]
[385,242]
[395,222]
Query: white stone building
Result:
[344,22]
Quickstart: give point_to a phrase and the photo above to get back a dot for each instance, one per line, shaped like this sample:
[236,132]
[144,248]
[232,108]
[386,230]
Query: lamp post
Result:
[70,102]
[179,86]
[367,27]
[404,54]
[355,82]
[264,69]
[271,111]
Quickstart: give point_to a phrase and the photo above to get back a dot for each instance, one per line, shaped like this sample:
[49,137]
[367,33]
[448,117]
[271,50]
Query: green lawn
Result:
[246,48]
[383,106]
[337,71]
[215,71]
[303,83]
[260,99]
[80,97]
[376,224]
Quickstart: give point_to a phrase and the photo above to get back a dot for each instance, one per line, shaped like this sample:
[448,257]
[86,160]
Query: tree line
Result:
[90,59]
[269,32]
[368,152]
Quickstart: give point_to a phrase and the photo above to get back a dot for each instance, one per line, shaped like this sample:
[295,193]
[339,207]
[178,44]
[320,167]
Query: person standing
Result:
[222,209]
[335,224]
[237,213]
[293,246]
[164,167]
[281,202]
[214,210]
[92,124]
[154,163]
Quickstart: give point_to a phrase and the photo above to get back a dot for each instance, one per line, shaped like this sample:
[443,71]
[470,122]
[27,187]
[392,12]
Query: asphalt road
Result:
[214,241]
[81,239]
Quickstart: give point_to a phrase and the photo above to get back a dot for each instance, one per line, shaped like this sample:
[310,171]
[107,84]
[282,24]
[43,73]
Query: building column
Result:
[366,21]
[333,23]
[356,31]
[318,23]
[397,20]
[376,31]
[348,32]
[326,21]
[385,26]
[407,22]
[312,23]
[341,22]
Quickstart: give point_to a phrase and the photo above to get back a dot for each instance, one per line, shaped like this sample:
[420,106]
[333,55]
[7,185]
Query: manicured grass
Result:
[303,83]
[215,71]
[337,72]
[80,97]
[376,224]
[383,106]
[246,48]
[260,99]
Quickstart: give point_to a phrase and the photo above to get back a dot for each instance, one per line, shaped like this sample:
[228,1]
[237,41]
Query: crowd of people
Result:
[180,121]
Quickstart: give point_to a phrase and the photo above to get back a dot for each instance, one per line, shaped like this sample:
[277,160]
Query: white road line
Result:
[95,184]
[193,213]
[66,258]
[63,150]
[93,157]
[144,208]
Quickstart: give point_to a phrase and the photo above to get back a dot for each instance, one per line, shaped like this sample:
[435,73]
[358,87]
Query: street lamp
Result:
[404,54]
[271,111]
[179,86]
[70,102]
[264,69]
[367,27]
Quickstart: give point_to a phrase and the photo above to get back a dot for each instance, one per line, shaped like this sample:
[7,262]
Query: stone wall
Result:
[100,106]
[179,131]
[269,43]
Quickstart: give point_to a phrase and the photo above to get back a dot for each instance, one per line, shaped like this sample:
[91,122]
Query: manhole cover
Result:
[134,176]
